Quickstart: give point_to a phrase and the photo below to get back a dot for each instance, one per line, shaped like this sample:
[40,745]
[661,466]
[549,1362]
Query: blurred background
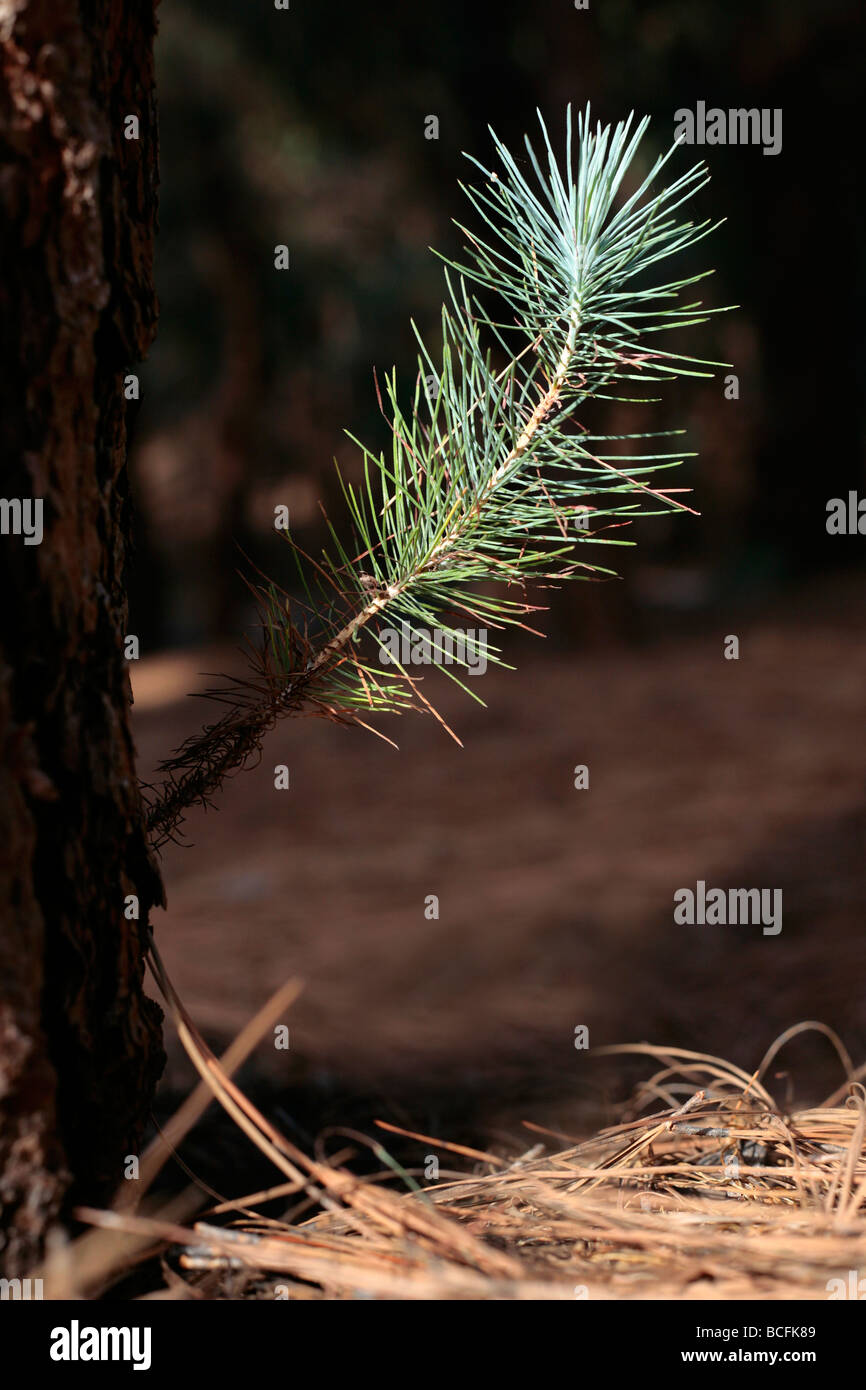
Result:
[307,128]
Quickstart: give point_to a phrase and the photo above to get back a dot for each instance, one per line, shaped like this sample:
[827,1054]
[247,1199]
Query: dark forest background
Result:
[306,128]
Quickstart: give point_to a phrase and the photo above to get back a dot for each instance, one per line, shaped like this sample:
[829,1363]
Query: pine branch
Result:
[490,475]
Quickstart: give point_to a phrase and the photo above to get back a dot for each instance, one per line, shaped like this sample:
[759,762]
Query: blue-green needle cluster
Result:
[492,480]
[491,474]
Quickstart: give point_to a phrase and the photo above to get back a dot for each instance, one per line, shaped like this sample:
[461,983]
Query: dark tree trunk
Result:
[80,1047]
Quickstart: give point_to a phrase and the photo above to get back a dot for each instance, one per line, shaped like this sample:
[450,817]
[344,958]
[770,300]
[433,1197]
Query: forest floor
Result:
[555,904]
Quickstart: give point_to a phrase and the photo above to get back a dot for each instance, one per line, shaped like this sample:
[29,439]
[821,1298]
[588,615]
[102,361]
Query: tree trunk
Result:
[80,1048]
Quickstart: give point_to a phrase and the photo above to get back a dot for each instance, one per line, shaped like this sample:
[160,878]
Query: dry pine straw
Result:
[710,1191]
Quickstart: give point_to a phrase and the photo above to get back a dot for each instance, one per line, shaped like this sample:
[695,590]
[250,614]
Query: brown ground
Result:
[556,904]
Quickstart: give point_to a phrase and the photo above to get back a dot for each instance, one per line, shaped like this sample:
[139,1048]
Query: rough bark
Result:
[80,1047]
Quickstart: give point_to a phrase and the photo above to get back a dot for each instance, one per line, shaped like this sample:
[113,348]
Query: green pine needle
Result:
[491,476]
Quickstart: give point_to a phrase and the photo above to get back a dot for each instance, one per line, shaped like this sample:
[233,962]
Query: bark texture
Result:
[80,1047]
